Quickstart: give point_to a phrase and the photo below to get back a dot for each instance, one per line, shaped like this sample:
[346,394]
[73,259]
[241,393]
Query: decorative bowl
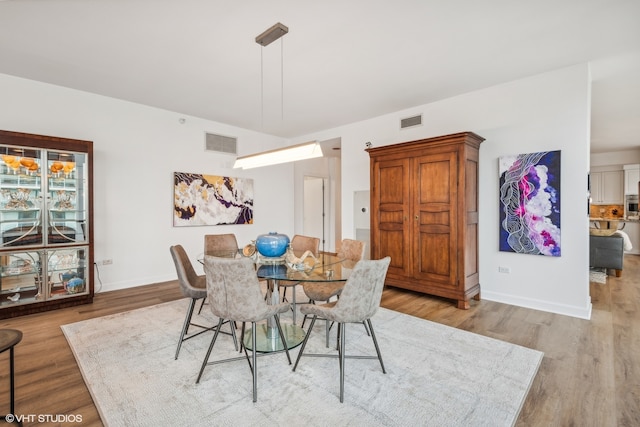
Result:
[249,249]
[75,285]
[272,244]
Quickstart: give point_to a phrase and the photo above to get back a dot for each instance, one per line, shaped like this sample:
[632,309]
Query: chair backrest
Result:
[233,290]
[300,244]
[352,249]
[217,243]
[191,284]
[360,297]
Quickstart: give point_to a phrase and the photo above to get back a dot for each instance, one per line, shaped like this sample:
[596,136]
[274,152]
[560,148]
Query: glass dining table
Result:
[324,268]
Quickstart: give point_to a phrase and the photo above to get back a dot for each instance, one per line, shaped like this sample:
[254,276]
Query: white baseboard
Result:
[107,287]
[552,307]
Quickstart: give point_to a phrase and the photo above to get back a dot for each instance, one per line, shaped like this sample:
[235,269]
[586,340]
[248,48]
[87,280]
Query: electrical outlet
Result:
[506,270]
[107,261]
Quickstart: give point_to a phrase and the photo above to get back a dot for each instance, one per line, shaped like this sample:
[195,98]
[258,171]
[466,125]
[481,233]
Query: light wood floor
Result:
[590,375]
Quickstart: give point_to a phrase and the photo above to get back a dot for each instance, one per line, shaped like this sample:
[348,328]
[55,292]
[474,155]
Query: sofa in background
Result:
[606,252]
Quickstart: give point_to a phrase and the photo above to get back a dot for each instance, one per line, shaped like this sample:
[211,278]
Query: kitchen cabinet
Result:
[424,214]
[46,243]
[631,179]
[607,187]
[632,229]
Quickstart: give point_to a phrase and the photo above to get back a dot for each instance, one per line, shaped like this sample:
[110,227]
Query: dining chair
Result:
[192,286]
[358,303]
[234,295]
[353,250]
[299,245]
[217,243]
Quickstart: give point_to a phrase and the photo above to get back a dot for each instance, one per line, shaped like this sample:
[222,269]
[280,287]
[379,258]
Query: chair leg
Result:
[185,327]
[304,343]
[206,358]
[366,328]
[342,331]
[253,359]
[375,343]
[282,338]
[202,304]
[242,338]
[304,319]
[232,326]
[327,327]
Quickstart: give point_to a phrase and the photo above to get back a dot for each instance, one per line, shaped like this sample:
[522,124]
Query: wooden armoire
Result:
[424,214]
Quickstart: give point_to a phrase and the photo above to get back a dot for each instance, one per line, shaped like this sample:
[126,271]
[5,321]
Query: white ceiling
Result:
[342,61]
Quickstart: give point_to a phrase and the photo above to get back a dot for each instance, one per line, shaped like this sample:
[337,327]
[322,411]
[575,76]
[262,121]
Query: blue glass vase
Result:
[272,244]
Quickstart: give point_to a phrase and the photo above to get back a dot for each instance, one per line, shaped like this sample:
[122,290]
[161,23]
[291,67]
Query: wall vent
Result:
[411,121]
[221,143]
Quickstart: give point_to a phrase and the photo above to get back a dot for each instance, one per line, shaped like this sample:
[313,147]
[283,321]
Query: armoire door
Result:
[390,214]
[435,195]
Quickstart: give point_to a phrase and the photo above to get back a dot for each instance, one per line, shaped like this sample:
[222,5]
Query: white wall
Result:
[619,158]
[544,112]
[136,151]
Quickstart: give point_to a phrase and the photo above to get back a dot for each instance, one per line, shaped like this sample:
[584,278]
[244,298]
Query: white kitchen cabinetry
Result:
[607,188]
[633,231]
[631,179]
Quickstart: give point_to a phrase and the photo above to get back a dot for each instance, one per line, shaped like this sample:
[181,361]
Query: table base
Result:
[268,340]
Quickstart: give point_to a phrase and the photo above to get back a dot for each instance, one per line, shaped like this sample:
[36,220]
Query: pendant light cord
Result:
[281,82]
[262,88]
[281,85]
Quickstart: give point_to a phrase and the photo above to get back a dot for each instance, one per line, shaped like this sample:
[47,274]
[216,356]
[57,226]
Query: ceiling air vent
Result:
[221,143]
[411,121]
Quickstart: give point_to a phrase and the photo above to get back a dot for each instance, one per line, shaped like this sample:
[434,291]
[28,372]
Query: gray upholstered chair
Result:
[214,244]
[358,302]
[299,245]
[352,250]
[234,294]
[221,245]
[193,286]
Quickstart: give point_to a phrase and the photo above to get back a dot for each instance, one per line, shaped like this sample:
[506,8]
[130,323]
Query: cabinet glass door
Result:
[21,278]
[67,272]
[20,197]
[67,198]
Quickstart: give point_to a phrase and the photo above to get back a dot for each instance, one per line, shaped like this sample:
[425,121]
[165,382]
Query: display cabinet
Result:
[46,245]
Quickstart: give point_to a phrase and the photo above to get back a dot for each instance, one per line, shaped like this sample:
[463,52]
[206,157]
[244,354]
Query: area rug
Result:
[598,275]
[436,375]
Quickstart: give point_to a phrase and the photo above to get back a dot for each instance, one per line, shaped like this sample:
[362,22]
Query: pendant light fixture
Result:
[293,153]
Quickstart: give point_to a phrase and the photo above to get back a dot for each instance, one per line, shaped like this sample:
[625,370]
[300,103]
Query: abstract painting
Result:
[211,200]
[530,203]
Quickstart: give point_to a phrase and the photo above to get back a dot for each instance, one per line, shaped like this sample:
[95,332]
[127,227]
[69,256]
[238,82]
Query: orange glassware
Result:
[27,162]
[68,167]
[8,158]
[56,167]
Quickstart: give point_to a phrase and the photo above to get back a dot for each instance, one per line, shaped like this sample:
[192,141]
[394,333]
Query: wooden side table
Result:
[8,340]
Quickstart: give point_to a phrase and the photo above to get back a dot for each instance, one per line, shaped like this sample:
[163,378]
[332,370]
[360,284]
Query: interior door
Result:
[315,207]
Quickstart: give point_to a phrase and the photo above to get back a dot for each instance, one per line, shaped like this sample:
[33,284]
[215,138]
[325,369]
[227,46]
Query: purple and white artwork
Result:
[530,203]
[211,200]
